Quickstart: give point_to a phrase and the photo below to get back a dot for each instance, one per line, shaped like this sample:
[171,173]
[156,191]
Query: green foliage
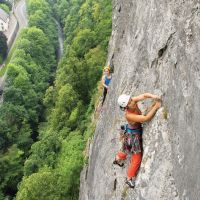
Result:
[84,41]
[3,47]
[7,61]
[42,185]
[66,101]
[14,128]
[94,59]
[4,7]
[34,42]
[40,15]
[7,3]
[52,170]
[70,164]
[49,100]
[35,5]
[44,153]
[60,183]
[11,169]
[1,60]
[87,30]
[29,73]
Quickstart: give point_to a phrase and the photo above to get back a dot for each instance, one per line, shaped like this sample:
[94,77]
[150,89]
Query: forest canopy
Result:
[45,119]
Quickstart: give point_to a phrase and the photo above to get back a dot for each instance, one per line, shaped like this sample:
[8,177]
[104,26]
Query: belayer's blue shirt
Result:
[107,80]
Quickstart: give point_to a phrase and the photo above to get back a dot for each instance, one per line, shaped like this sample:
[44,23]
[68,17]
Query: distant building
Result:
[4,20]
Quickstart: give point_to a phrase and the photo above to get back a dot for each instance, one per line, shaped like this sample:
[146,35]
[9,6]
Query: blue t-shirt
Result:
[107,80]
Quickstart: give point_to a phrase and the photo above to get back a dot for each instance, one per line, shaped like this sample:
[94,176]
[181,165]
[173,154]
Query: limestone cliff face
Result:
[155,47]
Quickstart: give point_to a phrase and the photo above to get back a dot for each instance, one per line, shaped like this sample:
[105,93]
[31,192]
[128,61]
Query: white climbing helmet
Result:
[123,100]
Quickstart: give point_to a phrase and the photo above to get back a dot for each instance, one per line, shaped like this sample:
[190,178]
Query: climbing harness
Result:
[132,138]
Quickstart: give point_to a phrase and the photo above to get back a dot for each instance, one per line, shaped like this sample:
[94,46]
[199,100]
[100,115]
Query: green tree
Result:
[34,42]
[69,103]
[4,7]
[84,41]
[11,169]
[44,153]
[41,19]
[7,3]
[94,60]
[3,46]
[35,5]
[29,74]
[41,185]
[70,164]
[66,101]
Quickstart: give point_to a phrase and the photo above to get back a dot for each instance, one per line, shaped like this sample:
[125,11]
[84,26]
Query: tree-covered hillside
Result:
[50,121]
[29,74]
[57,158]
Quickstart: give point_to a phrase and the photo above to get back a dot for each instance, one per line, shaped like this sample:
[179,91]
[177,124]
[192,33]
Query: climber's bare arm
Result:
[132,117]
[145,96]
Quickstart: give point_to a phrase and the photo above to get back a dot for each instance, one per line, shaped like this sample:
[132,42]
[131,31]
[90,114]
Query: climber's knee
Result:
[121,156]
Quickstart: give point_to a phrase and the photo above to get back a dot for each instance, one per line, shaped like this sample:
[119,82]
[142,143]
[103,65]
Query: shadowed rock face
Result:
[154,48]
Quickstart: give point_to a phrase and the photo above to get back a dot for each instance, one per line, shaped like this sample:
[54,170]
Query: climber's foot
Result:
[116,162]
[130,182]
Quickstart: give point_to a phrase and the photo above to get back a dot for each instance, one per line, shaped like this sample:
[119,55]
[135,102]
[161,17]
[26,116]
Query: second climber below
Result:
[133,138]
[106,78]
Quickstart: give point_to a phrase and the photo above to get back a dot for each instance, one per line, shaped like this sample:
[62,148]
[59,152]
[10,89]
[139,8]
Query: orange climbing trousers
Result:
[134,163]
[132,143]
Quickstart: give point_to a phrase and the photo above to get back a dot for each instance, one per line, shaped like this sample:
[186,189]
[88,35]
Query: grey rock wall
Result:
[155,47]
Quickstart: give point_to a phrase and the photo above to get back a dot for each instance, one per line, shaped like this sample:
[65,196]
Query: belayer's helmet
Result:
[123,100]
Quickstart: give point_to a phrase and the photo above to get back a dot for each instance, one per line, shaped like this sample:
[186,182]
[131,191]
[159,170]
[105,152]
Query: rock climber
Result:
[106,78]
[133,132]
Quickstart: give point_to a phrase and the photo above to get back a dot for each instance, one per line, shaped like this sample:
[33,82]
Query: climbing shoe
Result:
[115,162]
[130,183]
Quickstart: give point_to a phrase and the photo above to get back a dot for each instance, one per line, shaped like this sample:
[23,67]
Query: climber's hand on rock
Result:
[158,104]
[153,104]
[156,97]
